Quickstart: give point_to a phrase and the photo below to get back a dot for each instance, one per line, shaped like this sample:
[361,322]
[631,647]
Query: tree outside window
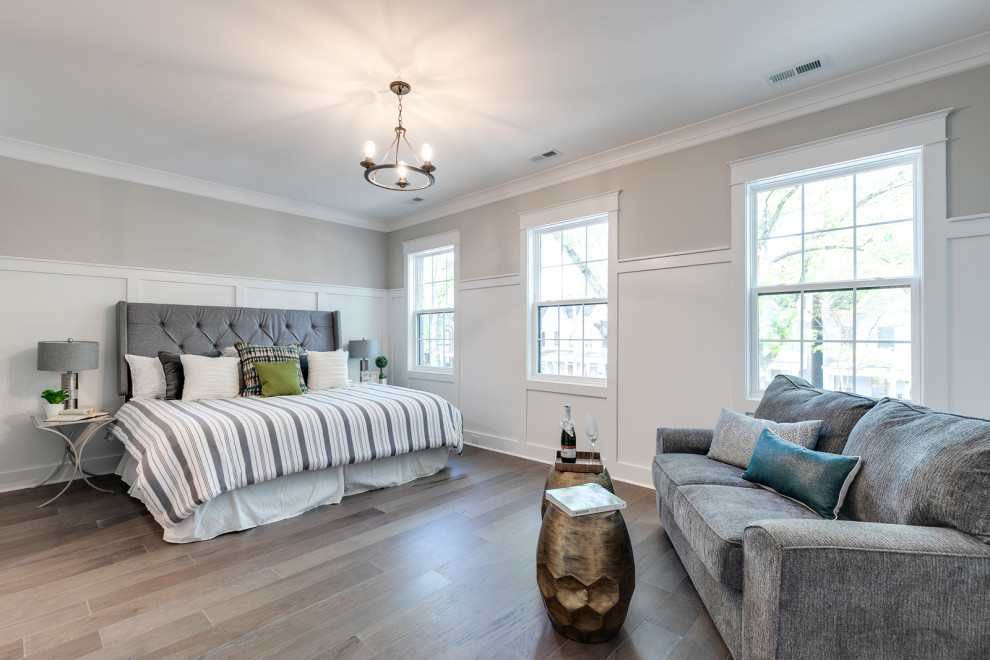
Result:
[833,273]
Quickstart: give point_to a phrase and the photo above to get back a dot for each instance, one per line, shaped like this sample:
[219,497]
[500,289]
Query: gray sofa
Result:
[903,573]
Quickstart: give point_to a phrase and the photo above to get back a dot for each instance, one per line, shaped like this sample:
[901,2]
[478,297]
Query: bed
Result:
[205,468]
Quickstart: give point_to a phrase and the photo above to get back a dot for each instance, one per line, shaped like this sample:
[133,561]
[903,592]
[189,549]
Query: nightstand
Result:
[75,434]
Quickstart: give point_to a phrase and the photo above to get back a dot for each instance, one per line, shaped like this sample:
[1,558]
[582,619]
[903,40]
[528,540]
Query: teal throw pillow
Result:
[736,435]
[278,378]
[816,479]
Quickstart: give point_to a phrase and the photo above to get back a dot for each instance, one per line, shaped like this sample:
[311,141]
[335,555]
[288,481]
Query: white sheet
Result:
[292,494]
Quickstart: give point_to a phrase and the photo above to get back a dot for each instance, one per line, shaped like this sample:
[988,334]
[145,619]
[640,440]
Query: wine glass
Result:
[591,430]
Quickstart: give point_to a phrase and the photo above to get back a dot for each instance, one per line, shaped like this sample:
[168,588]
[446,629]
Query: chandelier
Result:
[394,173]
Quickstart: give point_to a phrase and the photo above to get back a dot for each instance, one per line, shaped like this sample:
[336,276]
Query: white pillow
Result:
[327,369]
[210,378]
[147,377]
[230,351]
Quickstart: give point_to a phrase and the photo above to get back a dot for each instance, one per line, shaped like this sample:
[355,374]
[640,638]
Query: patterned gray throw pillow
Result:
[736,435]
[251,353]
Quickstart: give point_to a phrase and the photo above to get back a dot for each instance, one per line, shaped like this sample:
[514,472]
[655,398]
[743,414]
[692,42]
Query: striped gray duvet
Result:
[191,452]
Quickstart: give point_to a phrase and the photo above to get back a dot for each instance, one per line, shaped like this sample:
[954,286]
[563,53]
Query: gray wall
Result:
[680,201]
[57,214]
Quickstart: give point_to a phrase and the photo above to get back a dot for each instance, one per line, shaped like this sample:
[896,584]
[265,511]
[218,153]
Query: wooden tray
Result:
[586,462]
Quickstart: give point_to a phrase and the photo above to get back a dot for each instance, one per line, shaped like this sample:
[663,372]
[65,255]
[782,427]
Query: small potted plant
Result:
[54,399]
[381,362]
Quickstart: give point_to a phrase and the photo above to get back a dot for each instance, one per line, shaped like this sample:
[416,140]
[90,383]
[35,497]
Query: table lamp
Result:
[363,349]
[69,357]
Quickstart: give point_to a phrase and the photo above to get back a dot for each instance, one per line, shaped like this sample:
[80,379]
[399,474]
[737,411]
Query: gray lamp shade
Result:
[68,355]
[363,348]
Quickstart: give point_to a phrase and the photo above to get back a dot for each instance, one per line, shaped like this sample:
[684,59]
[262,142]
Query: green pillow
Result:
[278,378]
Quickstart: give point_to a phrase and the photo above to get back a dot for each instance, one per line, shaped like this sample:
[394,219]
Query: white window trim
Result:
[576,211]
[927,132]
[412,249]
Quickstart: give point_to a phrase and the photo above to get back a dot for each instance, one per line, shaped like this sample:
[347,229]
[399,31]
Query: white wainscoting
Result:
[51,300]
[674,353]
[968,318]
[672,366]
[491,393]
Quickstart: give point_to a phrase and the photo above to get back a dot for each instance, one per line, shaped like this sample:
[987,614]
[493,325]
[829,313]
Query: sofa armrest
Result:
[683,441]
[821,588]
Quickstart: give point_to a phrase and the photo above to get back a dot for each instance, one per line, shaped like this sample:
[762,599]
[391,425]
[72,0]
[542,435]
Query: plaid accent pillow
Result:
[251,353]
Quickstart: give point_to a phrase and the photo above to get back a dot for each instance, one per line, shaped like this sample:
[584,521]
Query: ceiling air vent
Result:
[413,201]
[544,155]
[797,70]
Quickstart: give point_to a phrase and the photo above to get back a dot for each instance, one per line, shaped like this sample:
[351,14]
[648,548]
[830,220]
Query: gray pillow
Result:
[921,467]
[174,376]
[736,435]
[793,399]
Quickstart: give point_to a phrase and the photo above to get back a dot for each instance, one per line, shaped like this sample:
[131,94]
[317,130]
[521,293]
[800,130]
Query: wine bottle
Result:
[568,440]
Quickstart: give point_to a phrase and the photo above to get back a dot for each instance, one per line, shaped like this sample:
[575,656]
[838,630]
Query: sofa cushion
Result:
[792,399]
[673,470]
[921,467]
[736,434]
[713,518]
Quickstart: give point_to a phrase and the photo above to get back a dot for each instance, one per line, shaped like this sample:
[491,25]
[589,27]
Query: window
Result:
[569,281]
[434,315]
[834,275]
[431,281]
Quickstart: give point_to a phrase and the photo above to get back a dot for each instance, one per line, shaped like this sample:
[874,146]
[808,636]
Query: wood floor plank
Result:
[10,586]
[535,639]
[701,641]
[572,650]
[335,620]
[152,605]
[12,650]
[73,648]
[349,649]
[46,597]
[138,645]
[442,567]
[149,619]
[647,641]
[44,622]
[245,560]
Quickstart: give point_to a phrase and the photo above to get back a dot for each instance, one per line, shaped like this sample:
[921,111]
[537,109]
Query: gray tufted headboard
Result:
[146,328]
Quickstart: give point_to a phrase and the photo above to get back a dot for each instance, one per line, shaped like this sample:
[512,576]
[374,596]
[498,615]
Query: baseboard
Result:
[629,474]
[29,477]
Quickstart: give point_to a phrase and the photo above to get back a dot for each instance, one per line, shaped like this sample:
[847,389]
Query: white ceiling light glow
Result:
[395,173]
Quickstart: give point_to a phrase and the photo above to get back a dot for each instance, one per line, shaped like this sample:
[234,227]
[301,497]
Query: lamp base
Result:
[70,383]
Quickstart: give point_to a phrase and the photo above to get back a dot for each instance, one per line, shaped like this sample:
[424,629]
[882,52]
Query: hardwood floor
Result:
[442,567]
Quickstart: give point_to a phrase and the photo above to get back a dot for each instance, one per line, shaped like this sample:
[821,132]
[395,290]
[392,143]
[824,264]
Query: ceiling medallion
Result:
[393,173]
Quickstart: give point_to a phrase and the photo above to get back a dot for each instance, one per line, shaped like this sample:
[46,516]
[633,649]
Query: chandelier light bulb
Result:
[369,149]
[427,153]
[402,171]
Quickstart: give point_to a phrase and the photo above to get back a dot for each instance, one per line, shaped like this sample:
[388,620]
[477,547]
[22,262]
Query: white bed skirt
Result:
[291,494]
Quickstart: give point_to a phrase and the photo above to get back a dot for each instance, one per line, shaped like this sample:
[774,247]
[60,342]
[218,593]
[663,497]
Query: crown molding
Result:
[69,160]
[929,65]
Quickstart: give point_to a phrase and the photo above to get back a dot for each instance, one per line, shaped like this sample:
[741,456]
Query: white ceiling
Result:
[278,98]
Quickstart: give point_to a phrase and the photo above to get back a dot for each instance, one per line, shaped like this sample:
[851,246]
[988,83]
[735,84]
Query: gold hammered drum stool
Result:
[586,572]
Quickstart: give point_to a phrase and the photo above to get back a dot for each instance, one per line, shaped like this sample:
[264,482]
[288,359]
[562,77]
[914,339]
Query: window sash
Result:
[597,255]
[802,289]
[579,349]
[445,341]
